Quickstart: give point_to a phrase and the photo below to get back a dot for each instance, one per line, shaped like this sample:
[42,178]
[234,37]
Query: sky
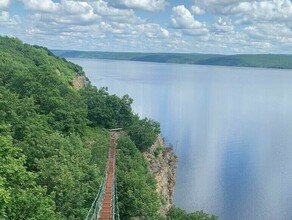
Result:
[186,26]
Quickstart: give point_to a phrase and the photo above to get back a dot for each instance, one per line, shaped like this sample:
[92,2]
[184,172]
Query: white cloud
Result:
[4,4]
[7,20]
[103,9]
[148,5]
[248,10]
[197,10]
[76,7]
[4,16]
[249,26]
[43,5]
[117,29]
[75,11]
[183,19]
[219,6]
[276,10]
[94,25]
[223,25]
[65,12]
[240,26]
[153,30]
[164,32]
[273,33]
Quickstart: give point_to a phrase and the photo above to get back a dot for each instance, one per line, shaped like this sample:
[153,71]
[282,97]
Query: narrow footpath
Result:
[106,209]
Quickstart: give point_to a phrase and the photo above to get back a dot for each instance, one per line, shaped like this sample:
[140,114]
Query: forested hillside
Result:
[51,160]
[281,61]
[54,140]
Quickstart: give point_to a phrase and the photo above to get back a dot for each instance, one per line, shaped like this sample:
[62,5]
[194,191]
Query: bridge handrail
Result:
[95,209]
[116,211]
[98,198]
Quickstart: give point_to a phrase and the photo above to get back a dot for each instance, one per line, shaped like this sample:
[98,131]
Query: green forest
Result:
[54,141]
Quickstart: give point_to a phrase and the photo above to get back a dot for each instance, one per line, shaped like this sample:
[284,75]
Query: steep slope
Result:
[51,161]
[54,139]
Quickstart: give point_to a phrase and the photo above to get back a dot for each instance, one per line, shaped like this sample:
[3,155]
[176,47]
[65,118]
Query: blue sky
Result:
[191,26]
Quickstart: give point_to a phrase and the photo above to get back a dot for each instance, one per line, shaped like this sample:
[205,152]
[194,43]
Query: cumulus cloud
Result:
[103,9]
[7,20]
[76,7]
[274,33]
[153,30]
[183,19]
[44,5]
[219,6]
[164,32]
[77,11]
[223,25]
[249,10]
[4,4]
[217,26]
[92,25]
[4,16]
[148,5]
[276,10]
[197,10]
[65,12]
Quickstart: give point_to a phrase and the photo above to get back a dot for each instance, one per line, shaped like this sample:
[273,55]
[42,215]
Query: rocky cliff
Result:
[79,82]
[163,164]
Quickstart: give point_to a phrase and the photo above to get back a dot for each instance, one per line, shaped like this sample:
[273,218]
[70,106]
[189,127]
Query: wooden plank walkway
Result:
[106,208]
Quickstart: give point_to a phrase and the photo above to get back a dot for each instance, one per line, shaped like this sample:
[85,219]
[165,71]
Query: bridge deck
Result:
[106,208]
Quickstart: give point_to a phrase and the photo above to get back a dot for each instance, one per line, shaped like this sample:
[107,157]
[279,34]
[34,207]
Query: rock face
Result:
[163,163]
[79,82]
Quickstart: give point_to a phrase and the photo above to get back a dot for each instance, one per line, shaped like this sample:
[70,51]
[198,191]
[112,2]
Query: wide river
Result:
[231,128]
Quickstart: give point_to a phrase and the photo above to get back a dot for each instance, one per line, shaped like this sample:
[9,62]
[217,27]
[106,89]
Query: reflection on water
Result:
[231,128]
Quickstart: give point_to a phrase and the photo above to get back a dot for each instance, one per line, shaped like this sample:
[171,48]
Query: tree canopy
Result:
[51,160]
[137,195]
[180,214]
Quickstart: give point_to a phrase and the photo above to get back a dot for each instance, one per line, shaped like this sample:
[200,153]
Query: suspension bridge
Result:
[105,205]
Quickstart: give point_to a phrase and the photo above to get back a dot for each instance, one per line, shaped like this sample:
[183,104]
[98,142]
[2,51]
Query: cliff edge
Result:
[163,163]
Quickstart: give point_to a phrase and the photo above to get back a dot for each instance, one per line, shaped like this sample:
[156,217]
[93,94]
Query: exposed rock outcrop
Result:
[163,163]
[79,82]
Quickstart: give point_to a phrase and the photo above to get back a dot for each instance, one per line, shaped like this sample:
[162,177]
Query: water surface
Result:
[231,128]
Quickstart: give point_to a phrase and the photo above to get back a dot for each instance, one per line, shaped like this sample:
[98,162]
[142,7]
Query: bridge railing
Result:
[116,215]
[94,212]
[115,207]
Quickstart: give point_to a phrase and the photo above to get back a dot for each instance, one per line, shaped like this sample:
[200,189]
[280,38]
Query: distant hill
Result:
[279,61]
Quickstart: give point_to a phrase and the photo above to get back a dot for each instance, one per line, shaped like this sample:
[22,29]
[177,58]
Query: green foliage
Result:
[180,214]
[20,196]
[158,151]
[107,110]
[144,132]
[71,177]
[32,73]
[51,162]
[136,185]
